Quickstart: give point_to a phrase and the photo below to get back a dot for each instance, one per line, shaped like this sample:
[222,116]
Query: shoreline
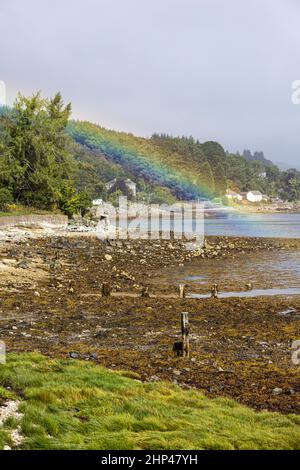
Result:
[261,209]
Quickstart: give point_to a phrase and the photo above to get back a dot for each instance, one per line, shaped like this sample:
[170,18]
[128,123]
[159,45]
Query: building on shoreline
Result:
[232,195]
[254,196]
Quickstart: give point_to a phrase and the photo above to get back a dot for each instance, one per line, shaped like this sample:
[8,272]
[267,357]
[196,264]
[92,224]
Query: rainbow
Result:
[141,157]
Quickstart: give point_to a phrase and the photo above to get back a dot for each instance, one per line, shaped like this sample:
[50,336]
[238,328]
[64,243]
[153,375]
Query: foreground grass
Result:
[77,405]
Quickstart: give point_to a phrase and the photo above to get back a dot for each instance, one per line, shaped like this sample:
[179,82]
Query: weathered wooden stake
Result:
[214,291]
[145,292]
[185,330]
[106,289]
[181,291]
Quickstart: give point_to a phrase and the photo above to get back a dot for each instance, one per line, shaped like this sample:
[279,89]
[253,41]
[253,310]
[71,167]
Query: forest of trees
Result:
[52,163]
[187,168]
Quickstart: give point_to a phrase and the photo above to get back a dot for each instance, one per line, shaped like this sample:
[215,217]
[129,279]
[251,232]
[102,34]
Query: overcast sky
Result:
[215,69]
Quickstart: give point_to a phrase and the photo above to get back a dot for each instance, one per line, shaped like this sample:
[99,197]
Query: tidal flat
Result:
[51,303]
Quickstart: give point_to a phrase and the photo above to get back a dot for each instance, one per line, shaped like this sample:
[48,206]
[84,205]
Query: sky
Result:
[215,69]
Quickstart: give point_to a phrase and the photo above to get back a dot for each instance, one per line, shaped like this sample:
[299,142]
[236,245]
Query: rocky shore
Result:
[50,291]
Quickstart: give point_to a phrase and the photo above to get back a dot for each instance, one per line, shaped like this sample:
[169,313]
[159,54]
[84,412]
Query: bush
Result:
[72,202]
[6,198]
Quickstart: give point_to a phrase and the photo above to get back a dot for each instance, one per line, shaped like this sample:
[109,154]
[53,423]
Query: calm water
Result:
[251,293]
[269,274]
[255,225]
[236,224]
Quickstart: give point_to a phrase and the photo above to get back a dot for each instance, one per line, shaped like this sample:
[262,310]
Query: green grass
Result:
[18,209]
[78,405]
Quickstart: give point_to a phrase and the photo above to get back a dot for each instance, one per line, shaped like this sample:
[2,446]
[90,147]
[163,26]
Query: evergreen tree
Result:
[37,160]
[220,180]
[206,180]
[36,164]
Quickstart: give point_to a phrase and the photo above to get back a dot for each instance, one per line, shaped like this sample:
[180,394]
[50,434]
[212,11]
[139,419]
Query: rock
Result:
[23,265]
[6,448]
[264,344]
[108,257]
[277,391]
[127,276]
[74,355]
[37,294]
[154,378]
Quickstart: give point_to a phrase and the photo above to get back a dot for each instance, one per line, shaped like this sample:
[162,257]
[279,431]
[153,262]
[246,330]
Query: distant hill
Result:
[176,167]
[181,165]
[258,157]
[287,166]
[164,167]
[188,168]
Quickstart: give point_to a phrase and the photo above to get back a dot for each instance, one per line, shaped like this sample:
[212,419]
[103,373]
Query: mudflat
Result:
[50,293]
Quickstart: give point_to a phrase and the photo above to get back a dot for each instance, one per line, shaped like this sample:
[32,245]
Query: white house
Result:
[132,186]
[254,196]
[97,202]
[233,195]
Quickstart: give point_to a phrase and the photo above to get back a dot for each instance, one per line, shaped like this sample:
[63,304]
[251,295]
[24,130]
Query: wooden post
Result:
[106,289]
[214,291]
[172,225]
[185,330]
[181,291]
[145,292]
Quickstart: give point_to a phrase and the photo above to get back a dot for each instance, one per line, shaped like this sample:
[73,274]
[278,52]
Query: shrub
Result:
[6,198]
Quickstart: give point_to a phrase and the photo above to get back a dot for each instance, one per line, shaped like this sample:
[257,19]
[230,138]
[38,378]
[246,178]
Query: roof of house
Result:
[232,193]
[129,181]
[255,193]
[126,181]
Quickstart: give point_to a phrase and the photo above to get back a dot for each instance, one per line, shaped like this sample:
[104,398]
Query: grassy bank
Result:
[18,209]
[78,405]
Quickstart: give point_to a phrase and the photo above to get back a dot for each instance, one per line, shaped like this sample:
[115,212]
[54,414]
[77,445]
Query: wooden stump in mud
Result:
[106,289]
[185,331]
[181,291]
[182,348]
[178,348]
[214,291]
[145,292]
